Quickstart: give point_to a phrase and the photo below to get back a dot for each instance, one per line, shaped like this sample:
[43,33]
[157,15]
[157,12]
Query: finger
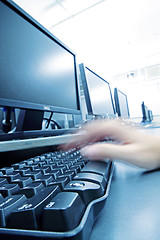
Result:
[100,151]
[97,131]
[76,141]
[131,153]
[89,133]
[115,129]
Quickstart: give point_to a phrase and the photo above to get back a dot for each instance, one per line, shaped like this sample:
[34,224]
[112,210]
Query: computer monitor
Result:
[121,103]
[150,115]
[38,72]
[97,93]
[147,115]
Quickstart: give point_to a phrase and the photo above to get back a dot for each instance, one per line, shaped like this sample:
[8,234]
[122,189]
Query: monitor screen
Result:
[97,93]
[121,103]
[37,70]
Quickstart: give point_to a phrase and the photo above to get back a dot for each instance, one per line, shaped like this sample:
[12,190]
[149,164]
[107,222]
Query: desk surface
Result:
[132,211]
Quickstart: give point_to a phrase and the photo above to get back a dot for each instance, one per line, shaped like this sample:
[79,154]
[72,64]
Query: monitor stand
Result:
[29,120]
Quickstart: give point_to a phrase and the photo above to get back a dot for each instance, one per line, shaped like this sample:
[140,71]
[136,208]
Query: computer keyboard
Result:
[56,195]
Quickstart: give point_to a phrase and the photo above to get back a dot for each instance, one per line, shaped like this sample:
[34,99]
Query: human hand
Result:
[129,144]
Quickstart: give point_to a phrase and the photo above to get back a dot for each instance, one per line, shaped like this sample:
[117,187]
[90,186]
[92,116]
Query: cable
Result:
[51,120]
[48,120]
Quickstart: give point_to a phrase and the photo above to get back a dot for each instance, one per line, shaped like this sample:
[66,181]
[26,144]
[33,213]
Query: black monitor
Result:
[97,93]
[37,71]
[146,114]
[121,103]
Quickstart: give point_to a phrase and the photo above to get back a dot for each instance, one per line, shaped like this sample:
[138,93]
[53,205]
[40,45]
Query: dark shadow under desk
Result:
[132,211]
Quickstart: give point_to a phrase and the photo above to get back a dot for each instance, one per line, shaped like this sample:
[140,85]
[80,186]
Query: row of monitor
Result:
[39,73]
[98,95]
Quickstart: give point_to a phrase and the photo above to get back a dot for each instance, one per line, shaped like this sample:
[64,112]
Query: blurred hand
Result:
[129,144]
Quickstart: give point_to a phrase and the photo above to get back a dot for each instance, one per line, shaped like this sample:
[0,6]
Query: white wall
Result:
[139,91]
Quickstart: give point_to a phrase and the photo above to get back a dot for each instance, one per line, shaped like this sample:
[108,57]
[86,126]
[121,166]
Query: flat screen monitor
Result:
[97,93]
[37,71]
[146,114]
[150,115]
[121,103]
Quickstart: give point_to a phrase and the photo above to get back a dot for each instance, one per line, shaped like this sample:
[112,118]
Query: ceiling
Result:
[51,13]
[123,34]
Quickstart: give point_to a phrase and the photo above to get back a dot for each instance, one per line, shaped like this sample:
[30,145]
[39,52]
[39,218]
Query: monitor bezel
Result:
[117,103]
[82,68]
[35,106]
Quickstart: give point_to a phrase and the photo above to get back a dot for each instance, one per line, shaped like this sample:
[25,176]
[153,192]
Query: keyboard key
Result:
[79,164]
[60,168]
[49,166]
[91,177]
[7,205]
[75,168]
[33,175]
[54,173]
[18,165]
[88,191]
[32,189]
[9,189]
[23,171]
[60,181]
[69,174]
[45,180]
[42,169]
[3,181]
[33,166]
[28,215]
[42,158]
[7,170]
[11,176]
[36,160]
[98,167]
[22,181]
[67,208]
[28,162]
[41,164]
[1,197]
[48,155]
